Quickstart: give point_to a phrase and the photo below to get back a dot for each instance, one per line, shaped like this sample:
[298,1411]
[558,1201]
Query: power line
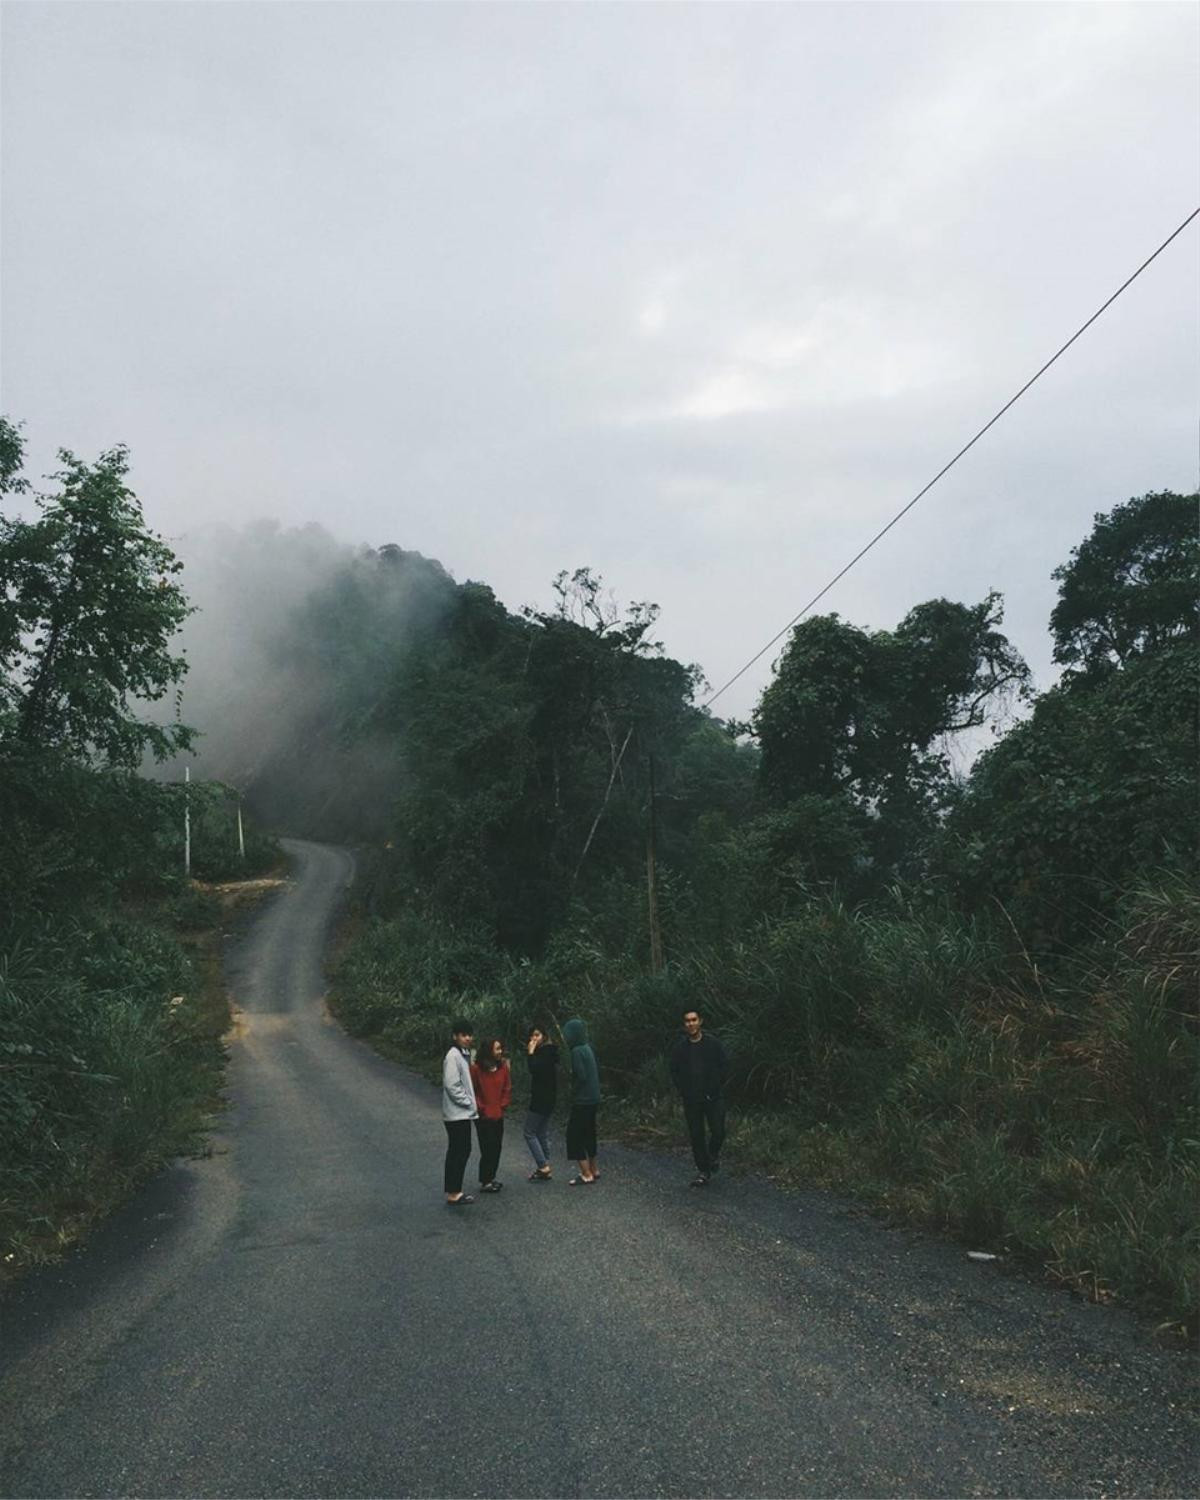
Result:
[712,697]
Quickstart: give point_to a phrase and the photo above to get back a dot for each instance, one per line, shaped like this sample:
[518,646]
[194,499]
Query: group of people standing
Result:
[480,1091]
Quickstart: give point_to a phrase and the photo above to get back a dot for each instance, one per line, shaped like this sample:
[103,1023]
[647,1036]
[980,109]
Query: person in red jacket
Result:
[492,1078]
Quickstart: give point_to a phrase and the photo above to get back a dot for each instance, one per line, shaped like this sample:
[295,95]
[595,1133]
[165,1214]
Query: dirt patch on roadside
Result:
[236,894]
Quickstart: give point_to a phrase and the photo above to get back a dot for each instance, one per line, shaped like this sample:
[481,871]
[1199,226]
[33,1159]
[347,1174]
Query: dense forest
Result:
[969,999]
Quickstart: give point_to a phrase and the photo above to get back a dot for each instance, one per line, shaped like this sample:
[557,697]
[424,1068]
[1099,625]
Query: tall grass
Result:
[105,1073]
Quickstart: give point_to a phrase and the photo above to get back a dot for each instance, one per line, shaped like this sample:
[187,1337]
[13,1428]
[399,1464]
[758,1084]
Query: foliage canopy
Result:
[89,604]
[1130,588]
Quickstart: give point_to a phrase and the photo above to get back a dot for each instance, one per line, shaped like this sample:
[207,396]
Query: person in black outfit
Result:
[699,1066]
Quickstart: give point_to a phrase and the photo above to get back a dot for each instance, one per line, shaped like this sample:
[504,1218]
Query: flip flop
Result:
[581,1182]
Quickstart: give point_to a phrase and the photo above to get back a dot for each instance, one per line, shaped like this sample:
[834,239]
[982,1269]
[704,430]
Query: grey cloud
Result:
[698,295]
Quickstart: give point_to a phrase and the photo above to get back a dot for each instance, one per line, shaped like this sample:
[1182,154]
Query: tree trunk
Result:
[656,943]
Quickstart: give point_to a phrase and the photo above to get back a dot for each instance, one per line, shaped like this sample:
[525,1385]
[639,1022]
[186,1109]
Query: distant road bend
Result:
[299,1315]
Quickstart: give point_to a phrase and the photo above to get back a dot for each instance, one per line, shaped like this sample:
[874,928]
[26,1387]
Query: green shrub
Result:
[102,1074]
[215,851]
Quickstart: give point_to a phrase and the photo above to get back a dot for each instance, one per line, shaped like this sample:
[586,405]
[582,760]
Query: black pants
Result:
[458,1151]
[706,1126]
[581,1132]
[491,1138]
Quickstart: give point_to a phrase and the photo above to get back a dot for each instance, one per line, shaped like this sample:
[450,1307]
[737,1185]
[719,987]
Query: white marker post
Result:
[187,822]
[241,835]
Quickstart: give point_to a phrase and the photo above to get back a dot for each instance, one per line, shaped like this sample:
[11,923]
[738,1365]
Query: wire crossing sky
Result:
[945,469]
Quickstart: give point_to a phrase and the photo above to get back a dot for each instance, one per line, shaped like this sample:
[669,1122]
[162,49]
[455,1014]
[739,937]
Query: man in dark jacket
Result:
[699,1066]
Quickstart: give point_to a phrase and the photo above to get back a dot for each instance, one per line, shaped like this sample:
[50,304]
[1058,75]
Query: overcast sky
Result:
[697,295]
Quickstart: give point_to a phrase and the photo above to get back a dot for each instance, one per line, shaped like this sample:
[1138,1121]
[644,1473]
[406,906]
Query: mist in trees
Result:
[291,651]
[496,765]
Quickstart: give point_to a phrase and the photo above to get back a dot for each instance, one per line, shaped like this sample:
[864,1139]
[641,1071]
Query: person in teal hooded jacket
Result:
[585,1100]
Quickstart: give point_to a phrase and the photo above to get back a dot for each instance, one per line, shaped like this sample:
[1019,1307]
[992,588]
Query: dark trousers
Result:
[706,1126]
[491,1138]
[458,1151]
[581,1132]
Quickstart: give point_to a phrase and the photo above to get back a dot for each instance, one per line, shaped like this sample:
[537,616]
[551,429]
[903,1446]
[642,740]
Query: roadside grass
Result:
[1123,1234]
[920,1062]
[111,1058]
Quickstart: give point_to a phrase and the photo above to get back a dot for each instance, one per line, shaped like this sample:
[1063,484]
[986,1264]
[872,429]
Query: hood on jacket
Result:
[575,1033]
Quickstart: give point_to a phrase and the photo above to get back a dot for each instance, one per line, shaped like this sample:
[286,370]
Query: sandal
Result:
[458,1202]
[539,1176]
[490,1187]
[581,1182]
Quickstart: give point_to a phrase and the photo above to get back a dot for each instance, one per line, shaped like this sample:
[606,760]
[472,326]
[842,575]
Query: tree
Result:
[1101,781]
[88,607]
[12,452]
[504,757]
[1098,784]
[1131,586]
[857,715]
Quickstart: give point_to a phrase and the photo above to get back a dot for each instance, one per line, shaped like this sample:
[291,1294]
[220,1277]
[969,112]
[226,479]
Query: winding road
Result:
[300,1315]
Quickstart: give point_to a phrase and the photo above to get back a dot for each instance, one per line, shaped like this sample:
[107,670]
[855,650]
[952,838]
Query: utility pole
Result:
[656,943]
[187,822]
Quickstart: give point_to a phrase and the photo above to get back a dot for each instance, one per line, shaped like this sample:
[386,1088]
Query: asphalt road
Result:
[301,1315]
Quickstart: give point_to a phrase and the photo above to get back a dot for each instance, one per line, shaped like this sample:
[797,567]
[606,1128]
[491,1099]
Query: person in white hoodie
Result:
[458,1110]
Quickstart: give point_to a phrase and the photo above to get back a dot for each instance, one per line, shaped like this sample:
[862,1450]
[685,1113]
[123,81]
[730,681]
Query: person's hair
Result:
[461,1027]
[483,1054]
[537,1025]
[692,1010]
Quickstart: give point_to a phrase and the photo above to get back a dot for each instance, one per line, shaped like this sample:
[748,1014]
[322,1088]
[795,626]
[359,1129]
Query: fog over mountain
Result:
[288,626]
[246,585]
